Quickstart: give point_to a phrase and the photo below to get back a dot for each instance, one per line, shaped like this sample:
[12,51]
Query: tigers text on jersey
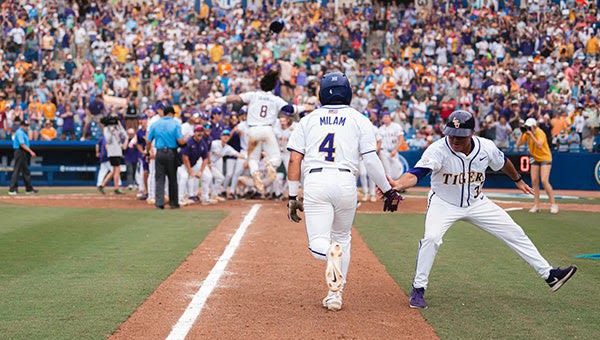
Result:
[389,135]
[456,178]
[333,136]
[263,107]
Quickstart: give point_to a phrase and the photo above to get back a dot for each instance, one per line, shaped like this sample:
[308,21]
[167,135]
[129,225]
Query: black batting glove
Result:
[293,206]
[391,200]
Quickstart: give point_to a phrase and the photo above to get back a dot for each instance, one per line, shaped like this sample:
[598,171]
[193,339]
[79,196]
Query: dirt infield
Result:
[273,287]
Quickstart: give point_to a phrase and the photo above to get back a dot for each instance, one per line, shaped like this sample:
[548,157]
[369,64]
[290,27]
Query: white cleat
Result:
[209,201]
[534,209]
[374,198]
[333,272]
[333,301]
[365,198]
[554,209]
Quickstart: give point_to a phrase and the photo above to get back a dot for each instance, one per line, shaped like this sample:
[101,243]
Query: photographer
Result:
[540,162]
[116,139]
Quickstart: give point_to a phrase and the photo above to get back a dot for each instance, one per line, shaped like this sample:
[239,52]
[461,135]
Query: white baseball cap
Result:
[530,122]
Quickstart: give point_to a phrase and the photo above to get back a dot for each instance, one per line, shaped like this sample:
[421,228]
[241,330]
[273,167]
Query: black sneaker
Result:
[119,192]
[101,189]
[559,276]
[32,191]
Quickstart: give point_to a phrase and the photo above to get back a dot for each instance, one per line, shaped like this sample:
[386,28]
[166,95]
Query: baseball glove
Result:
[391,200]
[293,207]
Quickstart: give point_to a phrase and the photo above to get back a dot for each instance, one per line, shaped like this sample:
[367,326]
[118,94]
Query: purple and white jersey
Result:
[458,178]
[333,136]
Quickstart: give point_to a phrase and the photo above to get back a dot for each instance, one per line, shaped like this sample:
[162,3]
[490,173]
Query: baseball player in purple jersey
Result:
[457,165]
[194,157]
[330,141]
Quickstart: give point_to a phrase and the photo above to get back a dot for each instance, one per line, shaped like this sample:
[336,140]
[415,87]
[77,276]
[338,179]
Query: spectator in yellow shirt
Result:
[540,163]
[120,52]
[49,110]
[48,131]
[592,45]
[216,53]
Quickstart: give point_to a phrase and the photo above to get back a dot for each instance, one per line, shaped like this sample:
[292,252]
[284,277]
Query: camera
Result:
[525,128]
[108,121]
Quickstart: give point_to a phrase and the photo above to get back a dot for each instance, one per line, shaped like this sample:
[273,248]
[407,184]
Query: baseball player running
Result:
[330,140]
[263,108]
[457,164]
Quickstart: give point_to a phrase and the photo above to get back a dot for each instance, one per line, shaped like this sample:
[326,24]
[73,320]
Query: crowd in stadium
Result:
[505,64]
[64,67]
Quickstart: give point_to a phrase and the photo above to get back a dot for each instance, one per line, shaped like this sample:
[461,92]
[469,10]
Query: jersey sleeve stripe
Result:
[291,149]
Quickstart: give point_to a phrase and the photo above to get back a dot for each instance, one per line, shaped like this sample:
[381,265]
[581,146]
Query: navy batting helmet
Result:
[460,124]
[288,110]
[335,89]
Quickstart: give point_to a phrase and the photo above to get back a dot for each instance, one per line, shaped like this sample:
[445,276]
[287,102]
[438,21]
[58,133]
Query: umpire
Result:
[21,147]
[167,135]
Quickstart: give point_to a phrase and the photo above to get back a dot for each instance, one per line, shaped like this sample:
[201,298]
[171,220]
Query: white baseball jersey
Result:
[333,136]
[263,107]
[283,136]
[389,135]
[218,151]
[456,178]
[187,129]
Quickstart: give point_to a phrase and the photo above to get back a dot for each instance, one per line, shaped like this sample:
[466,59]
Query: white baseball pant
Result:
[218,178]
[187,185]
[152,179]
[105,168]
[485,215]
[262,138]
[329,208]
[367,185]
[391,164]
[206,179]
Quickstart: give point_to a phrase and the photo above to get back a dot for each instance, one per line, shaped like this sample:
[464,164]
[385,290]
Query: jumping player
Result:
[263,108]
[457,164]
[330,141]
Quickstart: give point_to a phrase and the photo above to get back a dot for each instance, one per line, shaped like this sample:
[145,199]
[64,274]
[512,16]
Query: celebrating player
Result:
[457,164]
[331,140]
[263,108]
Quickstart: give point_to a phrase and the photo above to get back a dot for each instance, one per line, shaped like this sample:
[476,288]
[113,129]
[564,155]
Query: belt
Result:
[168,149]
[260,125]
[321,169]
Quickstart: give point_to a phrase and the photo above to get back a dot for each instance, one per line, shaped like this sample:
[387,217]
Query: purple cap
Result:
[288,110]
[158,106]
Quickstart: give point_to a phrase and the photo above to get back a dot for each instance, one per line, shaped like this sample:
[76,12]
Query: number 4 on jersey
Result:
[328,147]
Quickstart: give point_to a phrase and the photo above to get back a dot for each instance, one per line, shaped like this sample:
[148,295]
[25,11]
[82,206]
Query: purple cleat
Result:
[417,298]
[559,276]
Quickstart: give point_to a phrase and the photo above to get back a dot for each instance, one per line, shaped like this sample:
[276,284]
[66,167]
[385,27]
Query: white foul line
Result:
[185,322]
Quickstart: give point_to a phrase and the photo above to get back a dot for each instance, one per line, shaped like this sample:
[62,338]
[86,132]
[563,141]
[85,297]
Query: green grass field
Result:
[480,289]
[69,273]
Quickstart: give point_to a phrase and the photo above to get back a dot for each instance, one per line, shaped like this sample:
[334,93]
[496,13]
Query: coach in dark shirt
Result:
[167,133]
